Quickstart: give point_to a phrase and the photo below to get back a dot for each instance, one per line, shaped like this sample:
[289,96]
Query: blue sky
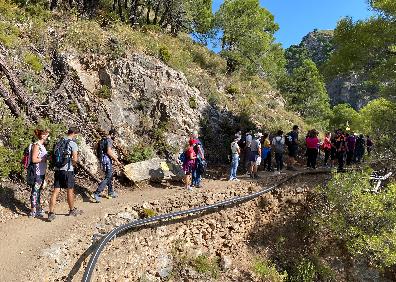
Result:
[298,17]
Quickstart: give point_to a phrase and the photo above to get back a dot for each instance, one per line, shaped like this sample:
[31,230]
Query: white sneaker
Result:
[235,179]
[189,188]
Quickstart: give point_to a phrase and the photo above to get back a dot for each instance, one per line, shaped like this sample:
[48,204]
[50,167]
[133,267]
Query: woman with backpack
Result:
[278,143]
[266,153]
[189,163]
[38,165]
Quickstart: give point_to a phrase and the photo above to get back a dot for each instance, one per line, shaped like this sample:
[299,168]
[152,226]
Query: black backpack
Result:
[61,153]
[101,148]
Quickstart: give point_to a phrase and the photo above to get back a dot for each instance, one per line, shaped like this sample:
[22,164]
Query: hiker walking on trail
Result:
[351,143]
[266,153]
[326,148]
[38,165]
[200,162]
[235,152]
[65,158]
[292,146]
[312,143]
[278,143]
[106,157]
[341,147]
[360,148]
[189,163]
[255,154]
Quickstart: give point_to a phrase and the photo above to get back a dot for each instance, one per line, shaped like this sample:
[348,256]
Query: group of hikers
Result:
[65,159]
[338,148]
[251,149]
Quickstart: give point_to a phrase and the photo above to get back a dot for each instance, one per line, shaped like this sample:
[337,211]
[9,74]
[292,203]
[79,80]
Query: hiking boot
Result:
[40,213]
[51,216]
[75,212]
[96,197]
[112,195]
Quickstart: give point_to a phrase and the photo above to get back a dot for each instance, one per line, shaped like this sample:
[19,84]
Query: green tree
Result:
[365,223]
[306,94]
[379,121]
[367,48]
[247,37]
[344,115]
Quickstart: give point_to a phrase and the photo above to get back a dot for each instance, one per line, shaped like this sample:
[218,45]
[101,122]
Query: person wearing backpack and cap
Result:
[65,158]
[106,157]
[278,142]
[38,161]
[291,140]
[255,153]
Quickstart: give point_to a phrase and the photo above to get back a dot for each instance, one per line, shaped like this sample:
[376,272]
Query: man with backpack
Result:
[65,157]
[360,148]
[278,143]
[235,151]
[106,157]
[291,141]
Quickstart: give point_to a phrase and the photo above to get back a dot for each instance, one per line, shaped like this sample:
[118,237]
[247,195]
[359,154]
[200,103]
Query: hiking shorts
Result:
[253,156]
[64,179]
[292,151]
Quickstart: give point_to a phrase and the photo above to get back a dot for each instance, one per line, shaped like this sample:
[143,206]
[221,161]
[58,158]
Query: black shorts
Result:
[64,179]
[292,151]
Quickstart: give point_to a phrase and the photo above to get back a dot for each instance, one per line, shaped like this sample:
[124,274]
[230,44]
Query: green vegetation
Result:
[305,93]
[206,265]
[33,61]
[104,92]
[267,271]
[140,152]
[15,137]
[192,102]
[367,47]
[247,38]
[363,222]
[164,54]
[148,213]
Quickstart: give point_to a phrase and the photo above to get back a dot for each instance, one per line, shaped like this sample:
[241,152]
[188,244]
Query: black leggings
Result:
[312,155]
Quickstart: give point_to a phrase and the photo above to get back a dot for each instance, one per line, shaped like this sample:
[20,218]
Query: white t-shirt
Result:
[41,167]
[234,147]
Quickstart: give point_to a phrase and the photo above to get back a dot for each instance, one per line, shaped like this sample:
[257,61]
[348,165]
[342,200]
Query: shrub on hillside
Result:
[364,222]
[33,61]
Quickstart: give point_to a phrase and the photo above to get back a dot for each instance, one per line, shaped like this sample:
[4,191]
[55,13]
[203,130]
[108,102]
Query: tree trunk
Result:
[120,11]
[19,92]
[148,13]
[156,12]
[9,101]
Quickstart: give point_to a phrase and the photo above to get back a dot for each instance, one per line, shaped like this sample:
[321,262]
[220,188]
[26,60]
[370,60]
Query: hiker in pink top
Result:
[312,143]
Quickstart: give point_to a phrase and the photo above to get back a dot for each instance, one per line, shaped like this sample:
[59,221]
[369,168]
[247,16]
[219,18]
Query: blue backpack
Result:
[183,157]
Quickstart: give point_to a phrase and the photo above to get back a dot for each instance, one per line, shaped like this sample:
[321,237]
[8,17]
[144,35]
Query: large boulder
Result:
[154,170]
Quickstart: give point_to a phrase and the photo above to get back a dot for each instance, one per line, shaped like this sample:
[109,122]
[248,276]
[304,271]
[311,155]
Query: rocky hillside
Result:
[155,89]
[352,89]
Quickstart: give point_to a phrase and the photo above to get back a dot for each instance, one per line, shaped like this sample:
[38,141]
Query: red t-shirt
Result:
[189,151]
[312,143]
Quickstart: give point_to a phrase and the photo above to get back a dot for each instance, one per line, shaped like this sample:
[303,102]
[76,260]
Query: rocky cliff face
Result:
[150,105]
[350,89]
